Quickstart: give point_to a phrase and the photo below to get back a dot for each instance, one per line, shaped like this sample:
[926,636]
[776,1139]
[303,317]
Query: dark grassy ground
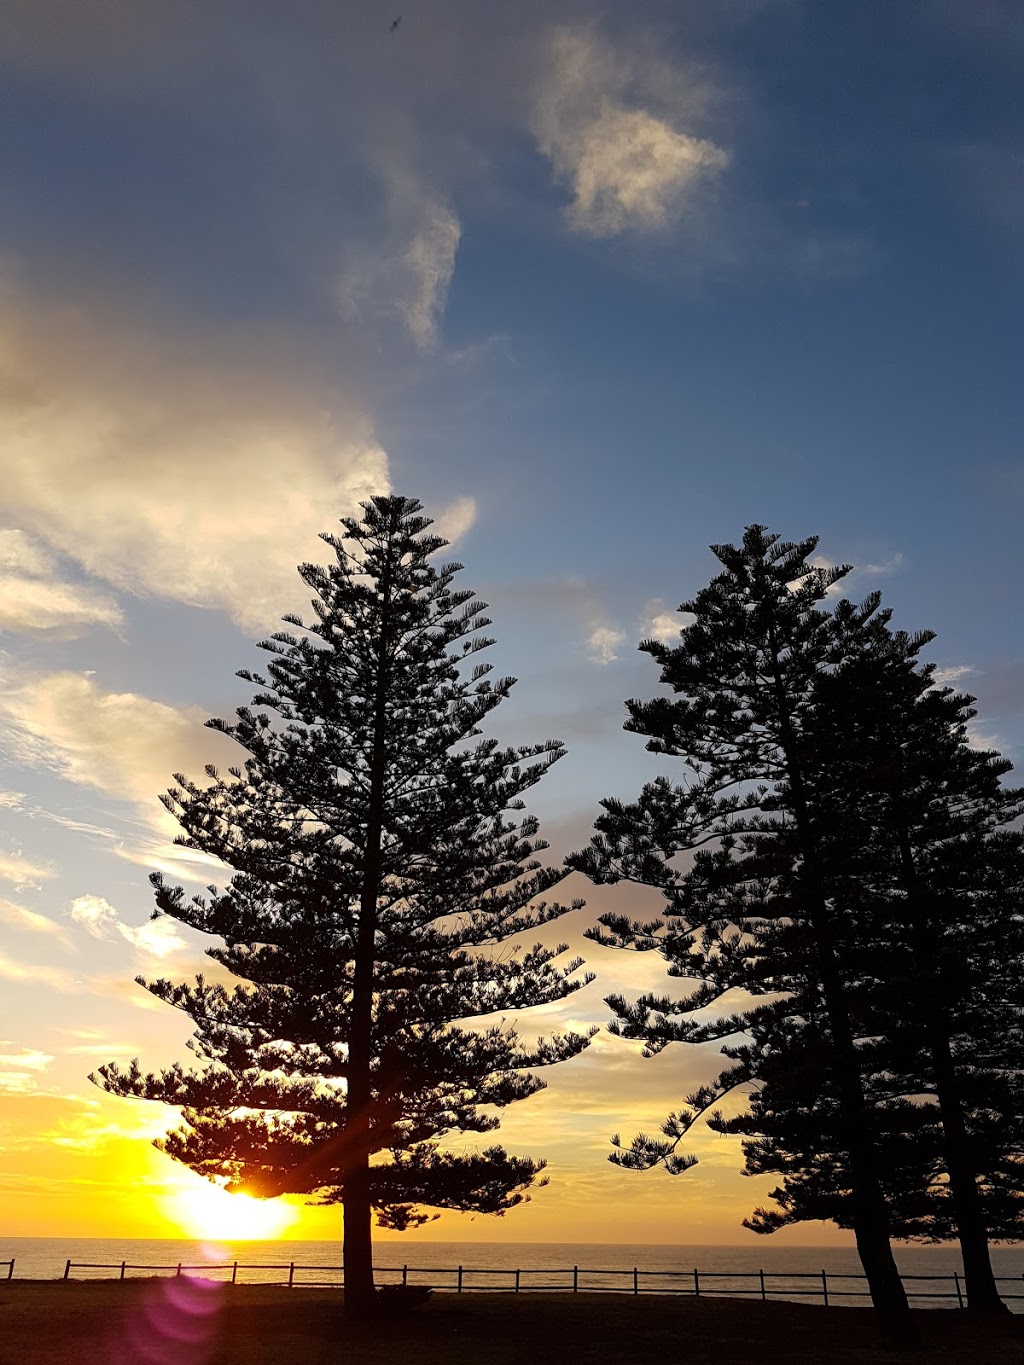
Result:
[163,1322]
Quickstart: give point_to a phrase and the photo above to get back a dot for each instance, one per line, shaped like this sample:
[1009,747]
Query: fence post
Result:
[696,1283]
[764,1294]
[405,1276]
[460,1280]
[575,1279]
[517,1281]
[959,1295]
[179,1269]
[67,1269]
[122,1270]
[10,1270]
[636,1281]
[291,1275]
[234,1273]
[824,1287]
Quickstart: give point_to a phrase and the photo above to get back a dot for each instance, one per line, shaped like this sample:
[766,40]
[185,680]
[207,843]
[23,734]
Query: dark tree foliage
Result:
[881,827]
[935,895]
[380,865]
[753,904]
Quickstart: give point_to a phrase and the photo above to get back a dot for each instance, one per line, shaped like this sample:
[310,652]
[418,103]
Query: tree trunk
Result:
[357,1240]
[360,1294]
[982,1290]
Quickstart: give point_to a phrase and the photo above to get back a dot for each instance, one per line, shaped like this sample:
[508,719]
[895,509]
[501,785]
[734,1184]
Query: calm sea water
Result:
[790,1272]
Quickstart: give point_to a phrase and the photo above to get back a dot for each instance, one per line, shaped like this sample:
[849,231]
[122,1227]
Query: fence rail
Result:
[825,1286]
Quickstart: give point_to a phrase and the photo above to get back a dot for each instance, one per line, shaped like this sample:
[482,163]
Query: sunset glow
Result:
[599,285]
[201,1209]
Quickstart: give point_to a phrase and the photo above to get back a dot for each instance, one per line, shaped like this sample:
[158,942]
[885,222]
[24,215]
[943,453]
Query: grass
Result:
[175,1322]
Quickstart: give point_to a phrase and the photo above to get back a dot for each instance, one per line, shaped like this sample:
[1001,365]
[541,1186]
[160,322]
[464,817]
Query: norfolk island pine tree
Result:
[380,866]
[925,855]
[742,679]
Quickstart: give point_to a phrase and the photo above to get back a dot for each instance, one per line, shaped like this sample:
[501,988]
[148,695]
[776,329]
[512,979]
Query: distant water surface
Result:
[541,1264]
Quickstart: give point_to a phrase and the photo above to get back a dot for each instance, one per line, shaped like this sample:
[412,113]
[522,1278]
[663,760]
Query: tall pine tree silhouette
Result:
[380,865]
[939,885]
[756,908]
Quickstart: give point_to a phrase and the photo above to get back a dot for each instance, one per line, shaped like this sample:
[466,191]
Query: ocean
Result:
[788,1272]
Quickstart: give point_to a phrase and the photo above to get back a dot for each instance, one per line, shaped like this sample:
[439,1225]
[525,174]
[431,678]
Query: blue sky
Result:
[600,284]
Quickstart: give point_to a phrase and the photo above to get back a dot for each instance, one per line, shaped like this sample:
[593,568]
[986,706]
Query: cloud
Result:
[33,598]
[25,1059]
[602,644]
[431,263]
[120,742]
[96,915]
[20,872]
[154,938]
[455,520]
[953,674]
[21,918]
[407,272]
[628,167]
[197,467]
[56,978]
[656,623]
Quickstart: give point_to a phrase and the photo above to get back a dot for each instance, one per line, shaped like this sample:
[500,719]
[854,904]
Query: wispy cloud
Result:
[25,1058]
[21,918]
[34,598]
[22,873]
[431,263]
[607,122]
[406,274]
[38,974]
[954,673]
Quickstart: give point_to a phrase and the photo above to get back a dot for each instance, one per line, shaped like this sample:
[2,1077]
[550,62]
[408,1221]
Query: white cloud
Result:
[629,168]
[985,741]
[34,598]
[17,1083]
[20,872]
[602,643]
[96,915]
[155,938]
[657,623]
[953,674]
[25,1059]
[198,468]
[120,742]
[455,520]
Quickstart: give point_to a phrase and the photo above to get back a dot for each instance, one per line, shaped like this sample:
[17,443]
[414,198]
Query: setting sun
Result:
[204,1210]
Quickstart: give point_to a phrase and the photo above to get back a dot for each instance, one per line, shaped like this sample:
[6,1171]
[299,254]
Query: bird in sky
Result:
[394,24]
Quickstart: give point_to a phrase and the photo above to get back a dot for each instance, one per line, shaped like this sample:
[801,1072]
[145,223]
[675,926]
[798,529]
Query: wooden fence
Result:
[822,1285]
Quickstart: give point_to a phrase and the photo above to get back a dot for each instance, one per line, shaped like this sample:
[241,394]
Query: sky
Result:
[600,285]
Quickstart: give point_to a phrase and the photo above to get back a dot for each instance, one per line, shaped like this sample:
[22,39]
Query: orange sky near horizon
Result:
[80,1163]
